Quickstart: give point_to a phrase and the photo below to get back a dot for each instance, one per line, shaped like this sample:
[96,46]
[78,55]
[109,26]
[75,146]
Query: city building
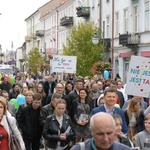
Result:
[125,26]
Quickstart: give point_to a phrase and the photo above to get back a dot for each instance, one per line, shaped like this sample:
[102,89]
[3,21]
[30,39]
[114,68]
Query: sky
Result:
[12,24]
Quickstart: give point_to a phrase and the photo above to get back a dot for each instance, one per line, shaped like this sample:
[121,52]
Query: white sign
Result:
[138,78]
[64,64]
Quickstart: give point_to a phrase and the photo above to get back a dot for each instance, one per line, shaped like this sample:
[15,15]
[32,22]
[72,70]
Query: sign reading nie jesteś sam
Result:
[64,64]
[138,78]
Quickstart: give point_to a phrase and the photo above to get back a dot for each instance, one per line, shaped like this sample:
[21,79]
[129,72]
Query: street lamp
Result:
[95,39]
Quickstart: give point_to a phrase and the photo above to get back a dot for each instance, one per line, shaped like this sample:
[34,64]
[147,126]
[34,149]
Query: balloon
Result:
[12,80]
[8,78]
[21,99]
[106,74]
[15,102]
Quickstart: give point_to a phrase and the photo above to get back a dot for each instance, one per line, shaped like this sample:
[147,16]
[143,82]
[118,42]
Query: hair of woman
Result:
[60,101]
[130,108]
[147,117]
[86,98]
[4,105]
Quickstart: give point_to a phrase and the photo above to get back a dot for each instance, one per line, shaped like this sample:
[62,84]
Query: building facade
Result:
[125,24]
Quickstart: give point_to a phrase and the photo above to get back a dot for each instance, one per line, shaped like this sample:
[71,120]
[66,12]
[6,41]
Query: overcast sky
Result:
[12,24]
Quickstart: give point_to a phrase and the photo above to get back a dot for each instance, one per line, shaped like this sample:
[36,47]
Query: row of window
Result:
[126,20]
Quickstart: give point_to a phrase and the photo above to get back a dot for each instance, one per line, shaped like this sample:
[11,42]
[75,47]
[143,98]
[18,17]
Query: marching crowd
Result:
[72,114]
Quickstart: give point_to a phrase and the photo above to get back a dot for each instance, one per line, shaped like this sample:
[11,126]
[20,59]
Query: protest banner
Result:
[138,77]
[64,64]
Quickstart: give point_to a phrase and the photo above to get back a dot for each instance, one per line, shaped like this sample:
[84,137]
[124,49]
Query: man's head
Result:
[100,85]
[59,88]
[5,95]
[102,126]
[79,84]
[49,78]
[94,87]
[110,97]
[54,99]
[36,100]
[114,84]
[69,86]
[5,79]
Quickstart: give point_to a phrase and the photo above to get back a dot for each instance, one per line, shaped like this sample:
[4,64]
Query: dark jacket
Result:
[140,121]
[46,87]
[13,94]
[51,131]
[29,122]
[121,98]
[73,108]
[5,86]
[45,111]
[116,111]
[125,141]
[21,107]
[72,96]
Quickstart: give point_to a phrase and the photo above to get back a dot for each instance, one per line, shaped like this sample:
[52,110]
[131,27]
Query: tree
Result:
[35,60]
[79,44]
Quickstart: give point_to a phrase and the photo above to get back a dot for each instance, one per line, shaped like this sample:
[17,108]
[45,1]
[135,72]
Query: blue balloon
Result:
[21,99]
[106,74]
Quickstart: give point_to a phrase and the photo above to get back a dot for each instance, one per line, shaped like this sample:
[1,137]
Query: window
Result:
[147,15]
[135,21]
[116,23]
[125,20]
[107,26]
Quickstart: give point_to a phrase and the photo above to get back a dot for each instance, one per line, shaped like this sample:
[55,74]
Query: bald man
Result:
[102,128]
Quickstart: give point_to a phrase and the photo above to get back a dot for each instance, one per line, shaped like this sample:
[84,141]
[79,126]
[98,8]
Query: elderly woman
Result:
[5,130]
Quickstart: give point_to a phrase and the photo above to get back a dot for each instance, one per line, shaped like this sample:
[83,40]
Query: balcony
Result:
[66,21]
[27,38]
[83,11]
[129,40]
[40,33]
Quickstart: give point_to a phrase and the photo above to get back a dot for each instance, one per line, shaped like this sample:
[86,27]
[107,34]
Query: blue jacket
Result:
[116,111]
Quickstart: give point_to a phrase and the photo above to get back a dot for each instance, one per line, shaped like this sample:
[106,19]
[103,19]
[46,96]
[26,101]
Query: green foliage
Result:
[79,44]
[35,60]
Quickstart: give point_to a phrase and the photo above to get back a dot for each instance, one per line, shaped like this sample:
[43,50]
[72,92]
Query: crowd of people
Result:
[73,113]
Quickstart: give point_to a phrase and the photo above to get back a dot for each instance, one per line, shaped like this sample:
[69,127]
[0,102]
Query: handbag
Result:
[14,142]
